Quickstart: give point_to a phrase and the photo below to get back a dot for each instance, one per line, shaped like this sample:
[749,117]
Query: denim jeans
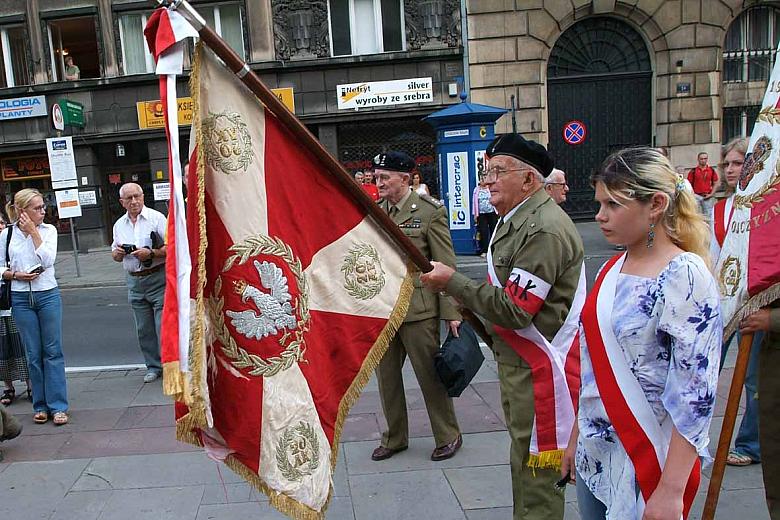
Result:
[590,507]
[746,442]
[38,315]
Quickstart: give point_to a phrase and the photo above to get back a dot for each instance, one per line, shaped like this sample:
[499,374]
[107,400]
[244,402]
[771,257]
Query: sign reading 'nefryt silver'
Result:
[384,93]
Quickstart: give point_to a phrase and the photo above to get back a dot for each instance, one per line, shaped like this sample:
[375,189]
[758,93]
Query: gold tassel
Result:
[551,459]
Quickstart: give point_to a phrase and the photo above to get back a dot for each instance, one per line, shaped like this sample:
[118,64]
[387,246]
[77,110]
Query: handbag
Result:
[458,360]
[5,288]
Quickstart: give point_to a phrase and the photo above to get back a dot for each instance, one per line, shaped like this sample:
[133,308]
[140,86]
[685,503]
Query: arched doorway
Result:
[599,97]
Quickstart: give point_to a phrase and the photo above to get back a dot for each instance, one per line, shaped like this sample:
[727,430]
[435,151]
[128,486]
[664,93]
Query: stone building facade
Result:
[310,47]
[656,72]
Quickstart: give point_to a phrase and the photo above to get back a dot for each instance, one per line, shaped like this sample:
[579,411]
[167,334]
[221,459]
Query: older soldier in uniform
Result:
[424,221]
[533,236]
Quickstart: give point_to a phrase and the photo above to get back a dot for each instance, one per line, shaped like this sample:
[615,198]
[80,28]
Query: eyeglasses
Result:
[557,184]
[494,173]
[42,207]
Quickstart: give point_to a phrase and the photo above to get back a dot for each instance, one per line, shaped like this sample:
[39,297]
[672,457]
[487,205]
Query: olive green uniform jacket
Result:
[541,239]
[424,221]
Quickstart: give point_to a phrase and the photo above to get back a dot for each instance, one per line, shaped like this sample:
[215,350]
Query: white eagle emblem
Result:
[276,311]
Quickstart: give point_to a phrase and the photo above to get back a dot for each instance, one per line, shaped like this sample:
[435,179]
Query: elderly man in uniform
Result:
[424,221]
[556,186]
[534,240]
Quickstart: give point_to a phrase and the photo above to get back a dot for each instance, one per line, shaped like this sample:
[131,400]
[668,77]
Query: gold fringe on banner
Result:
[193,398]
[756,302]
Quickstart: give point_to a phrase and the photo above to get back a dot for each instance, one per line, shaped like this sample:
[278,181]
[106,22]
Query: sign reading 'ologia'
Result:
[384,93]
[21,107]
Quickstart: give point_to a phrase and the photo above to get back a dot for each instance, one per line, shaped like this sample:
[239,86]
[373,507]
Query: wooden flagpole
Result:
[727,430]
[242,70]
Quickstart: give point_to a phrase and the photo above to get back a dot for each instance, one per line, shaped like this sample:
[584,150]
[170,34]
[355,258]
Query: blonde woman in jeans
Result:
[36,304]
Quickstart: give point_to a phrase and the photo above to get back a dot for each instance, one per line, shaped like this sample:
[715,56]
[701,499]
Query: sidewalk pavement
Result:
[118,458]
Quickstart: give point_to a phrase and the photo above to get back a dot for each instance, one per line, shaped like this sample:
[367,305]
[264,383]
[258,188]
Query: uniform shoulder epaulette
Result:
[430,200]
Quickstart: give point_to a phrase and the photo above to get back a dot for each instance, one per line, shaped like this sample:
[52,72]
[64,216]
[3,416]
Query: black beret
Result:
[530,152]
[394,161]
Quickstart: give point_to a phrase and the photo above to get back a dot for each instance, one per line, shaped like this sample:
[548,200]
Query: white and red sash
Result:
[721,221]
[555,366]
[645,440]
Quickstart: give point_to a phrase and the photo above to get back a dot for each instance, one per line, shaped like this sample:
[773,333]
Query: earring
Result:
[651,235]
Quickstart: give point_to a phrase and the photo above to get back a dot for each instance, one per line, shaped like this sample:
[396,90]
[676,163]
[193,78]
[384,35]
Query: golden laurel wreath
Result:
[287,442]
[228,143]
[362,285]
[769,115]
[747,201]
[293,343]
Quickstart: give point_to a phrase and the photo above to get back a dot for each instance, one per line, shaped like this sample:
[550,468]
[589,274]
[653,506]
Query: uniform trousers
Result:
[420,341]
[145,295]
[533,491]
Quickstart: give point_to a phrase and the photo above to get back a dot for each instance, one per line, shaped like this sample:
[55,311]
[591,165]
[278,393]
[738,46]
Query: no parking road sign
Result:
[574,132]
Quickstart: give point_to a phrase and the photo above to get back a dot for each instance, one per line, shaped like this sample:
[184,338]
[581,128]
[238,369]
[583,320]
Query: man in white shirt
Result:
[144,261]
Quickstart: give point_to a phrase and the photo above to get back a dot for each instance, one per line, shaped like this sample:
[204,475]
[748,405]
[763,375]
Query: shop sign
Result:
[62,162]
[21,107]
[285,95]
[23,168]
[72,112]
[384,93]
[114,178]
[458,187]
[152,115]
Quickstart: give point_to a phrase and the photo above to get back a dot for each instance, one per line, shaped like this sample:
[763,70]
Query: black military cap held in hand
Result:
[530,152]
[394,161]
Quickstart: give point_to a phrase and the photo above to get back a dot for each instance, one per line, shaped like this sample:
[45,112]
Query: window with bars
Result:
[13,56]
[749,50]
[366,26]
[739,121]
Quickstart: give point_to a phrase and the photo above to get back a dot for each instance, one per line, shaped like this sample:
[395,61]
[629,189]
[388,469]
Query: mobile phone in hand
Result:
[36,269]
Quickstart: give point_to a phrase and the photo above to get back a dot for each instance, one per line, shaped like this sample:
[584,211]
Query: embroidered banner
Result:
[296,294]
[748,271]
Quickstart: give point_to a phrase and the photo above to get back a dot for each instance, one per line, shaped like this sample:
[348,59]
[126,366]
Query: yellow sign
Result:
[150,113]
[285,95]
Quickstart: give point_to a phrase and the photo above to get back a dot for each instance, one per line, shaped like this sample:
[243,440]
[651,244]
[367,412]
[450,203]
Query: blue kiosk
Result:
[463,132]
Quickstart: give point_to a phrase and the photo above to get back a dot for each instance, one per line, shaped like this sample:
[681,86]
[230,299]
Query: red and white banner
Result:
[748,271]
[555,365]
[296,293]
[645,440]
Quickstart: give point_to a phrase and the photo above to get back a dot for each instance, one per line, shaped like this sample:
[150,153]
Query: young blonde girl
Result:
[650,344]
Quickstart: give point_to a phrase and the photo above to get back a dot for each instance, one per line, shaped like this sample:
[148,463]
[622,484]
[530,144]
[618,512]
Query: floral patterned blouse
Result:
[670,330]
